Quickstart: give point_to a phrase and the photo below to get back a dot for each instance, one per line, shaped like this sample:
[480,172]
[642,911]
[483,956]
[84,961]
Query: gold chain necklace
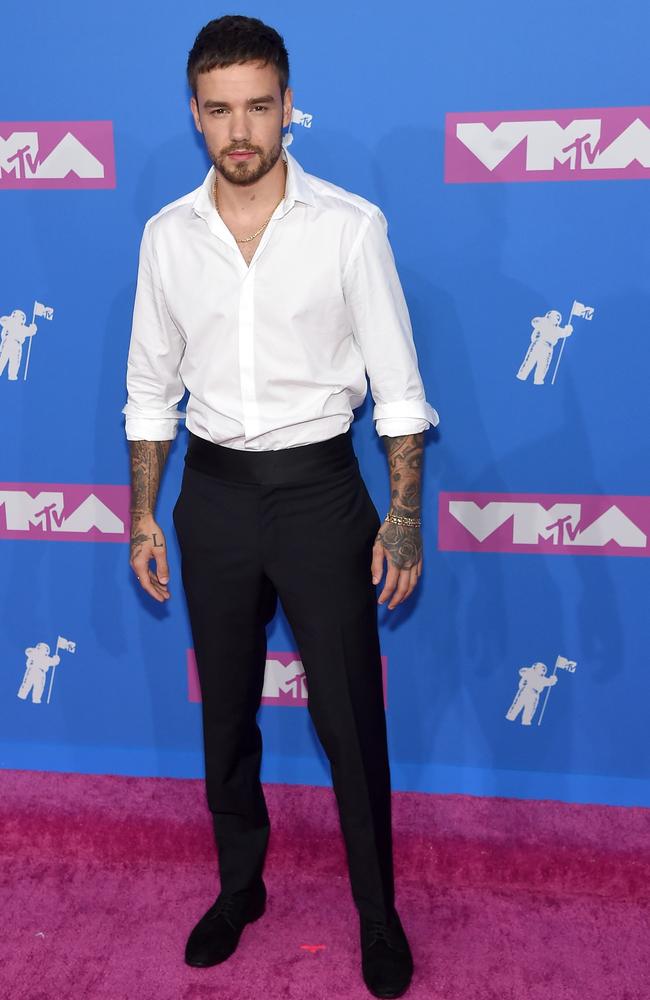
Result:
[247,239]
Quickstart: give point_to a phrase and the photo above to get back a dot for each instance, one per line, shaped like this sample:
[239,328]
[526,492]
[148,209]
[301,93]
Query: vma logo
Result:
[284,679]
[565,145]
[64,513]
[36,155]
[546,524]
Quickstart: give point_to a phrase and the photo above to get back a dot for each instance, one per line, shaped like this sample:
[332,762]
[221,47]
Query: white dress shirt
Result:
[274,354]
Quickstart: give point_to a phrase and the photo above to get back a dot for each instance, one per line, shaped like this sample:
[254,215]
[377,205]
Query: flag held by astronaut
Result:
[580,309]
[62,643]
[47,312]
[565,664]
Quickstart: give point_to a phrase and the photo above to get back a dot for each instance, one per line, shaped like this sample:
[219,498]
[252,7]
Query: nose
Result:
[240,126]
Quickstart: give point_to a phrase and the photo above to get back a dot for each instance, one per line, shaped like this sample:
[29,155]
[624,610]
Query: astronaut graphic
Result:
[297,118]
[533,681]
[13,332]
[39,662]
[546,333]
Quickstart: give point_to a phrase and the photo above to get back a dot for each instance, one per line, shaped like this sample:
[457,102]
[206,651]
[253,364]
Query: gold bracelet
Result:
[414,522]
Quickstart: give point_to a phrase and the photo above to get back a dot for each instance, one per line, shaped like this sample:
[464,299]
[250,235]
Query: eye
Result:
[259,107]
[218,111]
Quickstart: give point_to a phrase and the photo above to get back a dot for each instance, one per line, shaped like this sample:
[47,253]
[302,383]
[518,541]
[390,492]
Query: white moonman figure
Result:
[38,663]
[546,333]
[13,330]
[533,681]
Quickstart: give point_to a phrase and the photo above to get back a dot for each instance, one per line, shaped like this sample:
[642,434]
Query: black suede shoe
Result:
[386,960]
[217,933]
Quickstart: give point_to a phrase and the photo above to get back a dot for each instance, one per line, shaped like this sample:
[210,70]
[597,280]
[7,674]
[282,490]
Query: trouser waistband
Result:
[303,463]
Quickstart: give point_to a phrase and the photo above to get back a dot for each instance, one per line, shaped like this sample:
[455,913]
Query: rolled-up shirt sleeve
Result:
[154,385]
[382,329]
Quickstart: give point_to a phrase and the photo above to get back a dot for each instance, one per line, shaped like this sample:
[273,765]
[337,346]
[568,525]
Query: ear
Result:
[194,108]
[287,107]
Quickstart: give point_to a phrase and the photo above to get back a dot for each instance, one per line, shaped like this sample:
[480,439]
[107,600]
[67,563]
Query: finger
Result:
[392,576]
[415,576]
[410,577]
[155,578]
[161,588]
[377,564]
[141,569]
[403,584]
[162,569]
[147,585]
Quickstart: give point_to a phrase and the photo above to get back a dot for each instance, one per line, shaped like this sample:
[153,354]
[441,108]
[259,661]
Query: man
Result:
[268,293]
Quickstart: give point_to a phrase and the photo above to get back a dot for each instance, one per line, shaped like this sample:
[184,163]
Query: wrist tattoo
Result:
[404,541]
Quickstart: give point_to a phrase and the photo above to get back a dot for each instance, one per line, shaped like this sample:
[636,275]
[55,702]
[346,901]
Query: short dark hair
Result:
[233,39]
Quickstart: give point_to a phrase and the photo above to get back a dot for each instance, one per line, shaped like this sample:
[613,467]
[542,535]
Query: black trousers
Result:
[297,523]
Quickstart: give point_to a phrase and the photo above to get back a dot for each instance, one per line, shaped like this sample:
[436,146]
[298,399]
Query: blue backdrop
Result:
[479,262]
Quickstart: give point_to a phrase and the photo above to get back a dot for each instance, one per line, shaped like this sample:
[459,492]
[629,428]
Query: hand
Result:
[147,543]
[402,546]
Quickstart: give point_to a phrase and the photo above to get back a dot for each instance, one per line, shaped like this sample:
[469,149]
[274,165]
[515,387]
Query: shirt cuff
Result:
[396,427]
[414,415]
[152,426]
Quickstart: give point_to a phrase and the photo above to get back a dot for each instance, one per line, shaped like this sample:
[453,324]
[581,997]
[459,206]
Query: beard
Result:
[249,171]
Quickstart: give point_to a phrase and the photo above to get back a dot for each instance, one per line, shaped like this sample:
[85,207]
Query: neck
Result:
[243,200]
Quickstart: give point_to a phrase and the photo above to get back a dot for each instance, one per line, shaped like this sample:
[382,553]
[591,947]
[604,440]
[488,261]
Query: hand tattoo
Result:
[137,541]
[402,542]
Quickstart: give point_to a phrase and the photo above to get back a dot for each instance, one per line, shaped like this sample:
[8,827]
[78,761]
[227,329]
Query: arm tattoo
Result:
[403,542]
[147,461]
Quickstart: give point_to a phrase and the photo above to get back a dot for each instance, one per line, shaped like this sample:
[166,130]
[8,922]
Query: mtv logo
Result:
[56,155]
[565,144]
[64,512]
[548,524]
[301,118]
[284,679]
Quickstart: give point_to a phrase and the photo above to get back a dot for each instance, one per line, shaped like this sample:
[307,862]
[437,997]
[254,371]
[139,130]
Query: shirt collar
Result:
[297,189]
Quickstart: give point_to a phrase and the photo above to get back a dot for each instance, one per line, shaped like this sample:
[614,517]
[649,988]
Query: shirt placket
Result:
[246,330]
[246,333]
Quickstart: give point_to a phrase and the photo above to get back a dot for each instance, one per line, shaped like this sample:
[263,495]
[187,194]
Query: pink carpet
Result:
[103,877]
